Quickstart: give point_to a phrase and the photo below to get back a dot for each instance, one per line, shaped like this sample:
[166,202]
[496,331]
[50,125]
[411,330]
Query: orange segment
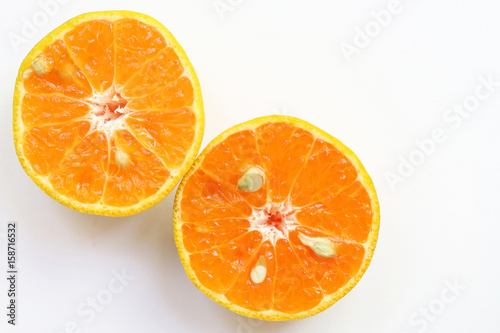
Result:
[284,150]
[135,43]
[108,113]
[295,290]
[224,224]
[53,71]
[167,133]
[205,196]
[198,237]
[219,267]
[83,169]
[231,158]
[91,46]
[134,172]
[256,296]
[163,69]
[331,273]
[348,214]
[46,146]
[51,109]
[175,95]
[337,172]
[297,190]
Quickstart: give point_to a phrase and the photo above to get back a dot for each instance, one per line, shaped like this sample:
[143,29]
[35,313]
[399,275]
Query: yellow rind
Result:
[370,244]
[197,107]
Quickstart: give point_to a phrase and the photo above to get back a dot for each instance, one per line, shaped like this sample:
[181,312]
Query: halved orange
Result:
[108,114]
[276,219]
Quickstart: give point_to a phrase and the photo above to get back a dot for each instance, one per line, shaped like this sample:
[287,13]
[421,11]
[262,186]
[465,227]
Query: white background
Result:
[440,222]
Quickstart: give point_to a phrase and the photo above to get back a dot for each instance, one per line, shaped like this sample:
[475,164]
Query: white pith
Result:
[258,220]
[101,117]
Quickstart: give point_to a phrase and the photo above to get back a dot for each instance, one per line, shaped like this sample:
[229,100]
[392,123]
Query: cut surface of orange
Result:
[276,219]
[108,114]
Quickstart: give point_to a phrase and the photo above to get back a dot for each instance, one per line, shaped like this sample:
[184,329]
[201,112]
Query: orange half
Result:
[108,114]
[276,219]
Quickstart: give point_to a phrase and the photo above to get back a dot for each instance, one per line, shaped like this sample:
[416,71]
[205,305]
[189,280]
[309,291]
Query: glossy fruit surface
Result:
[108,114]
[276,219]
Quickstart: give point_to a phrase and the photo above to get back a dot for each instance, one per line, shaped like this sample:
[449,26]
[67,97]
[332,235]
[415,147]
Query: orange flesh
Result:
[309,182]
[109,115]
